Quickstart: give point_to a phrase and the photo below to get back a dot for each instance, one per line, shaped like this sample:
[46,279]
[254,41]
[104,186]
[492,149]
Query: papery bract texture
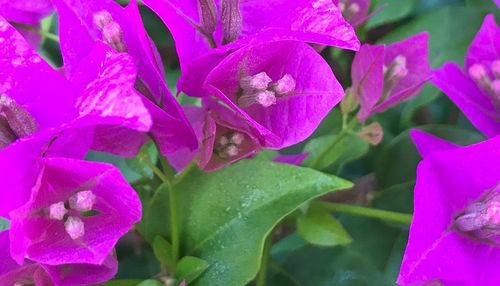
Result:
[84,22]
[317,21]
[74,214]
[476,91]
[61,113]
[454,235]
[383,76]
[281,89]
[354,11]
[46,275]
[26,15]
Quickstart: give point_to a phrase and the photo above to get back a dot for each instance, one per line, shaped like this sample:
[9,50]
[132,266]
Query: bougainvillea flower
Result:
[224,138]
[282,89]
[74,214]
[200,25]
[26,16]
[383,76]
[455,232]
[354,11]
[40,107]
[84,22]
[31,273]
[477,90]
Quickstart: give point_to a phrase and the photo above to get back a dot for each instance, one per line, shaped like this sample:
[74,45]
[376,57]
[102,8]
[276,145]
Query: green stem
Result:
[261,278]
[157,171]
[174,226]
[367,212]
[343,132]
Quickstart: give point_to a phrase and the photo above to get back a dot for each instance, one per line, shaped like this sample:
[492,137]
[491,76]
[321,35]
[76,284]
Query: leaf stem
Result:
[403,218]
[343,132]
[174,226]
[261,278]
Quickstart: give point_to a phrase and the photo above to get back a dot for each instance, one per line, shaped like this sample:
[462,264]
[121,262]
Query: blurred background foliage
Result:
[312,247]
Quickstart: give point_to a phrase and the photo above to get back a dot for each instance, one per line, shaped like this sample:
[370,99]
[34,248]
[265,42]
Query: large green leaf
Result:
[315,266]
[225,216]
[392,10]
[317,226]
[459,21]
[348,149]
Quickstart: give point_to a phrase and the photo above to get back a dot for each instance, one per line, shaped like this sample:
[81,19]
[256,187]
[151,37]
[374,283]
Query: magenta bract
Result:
[84,22]
[281,89]
[455,231]
[73,214]
[383,76]
[476,90]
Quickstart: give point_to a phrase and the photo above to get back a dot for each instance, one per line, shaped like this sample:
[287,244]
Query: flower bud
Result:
[349,103]
[231,20]
[208,15]
[112,34]
[481,219]
[372,134]
[102,18]
[18,119]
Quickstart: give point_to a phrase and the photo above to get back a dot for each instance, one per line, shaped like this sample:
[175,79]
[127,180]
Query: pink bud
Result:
[112,34]
[18,119]
[481,219]
[373,133]
[82,201]
[208,15]
[231,20]
[74,227]
[102,18]
[57,211]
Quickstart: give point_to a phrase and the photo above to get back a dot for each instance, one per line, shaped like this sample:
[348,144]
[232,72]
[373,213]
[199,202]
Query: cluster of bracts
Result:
[262,83]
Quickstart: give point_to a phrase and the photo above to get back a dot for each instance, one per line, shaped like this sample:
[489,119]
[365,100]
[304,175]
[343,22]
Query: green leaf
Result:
[163,251]
[348,149]
[461,22]
[4,224]
[226,215]
[156,215]
[319,266]
[397,162]
[319,227]
[392,10]
[428,94]
[122,282]
[150,282]
[189,268]
[148,153]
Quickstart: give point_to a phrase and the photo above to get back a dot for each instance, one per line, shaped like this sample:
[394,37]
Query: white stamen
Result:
[74,227]
[285,85]
[82,201]
[259,81]
[237,138]
[57,211]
